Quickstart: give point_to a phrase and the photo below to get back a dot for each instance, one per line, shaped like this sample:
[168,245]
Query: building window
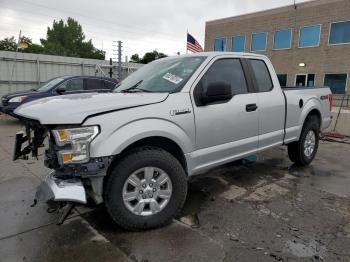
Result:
[305,80]
[339,33]
[337,82]
[310,80]
[220,44]
[300,80]
[309,36]
[259,42]
[282,39]
[282,78]
[238,43]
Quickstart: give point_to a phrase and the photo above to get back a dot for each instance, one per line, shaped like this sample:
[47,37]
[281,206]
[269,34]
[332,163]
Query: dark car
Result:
[57,86]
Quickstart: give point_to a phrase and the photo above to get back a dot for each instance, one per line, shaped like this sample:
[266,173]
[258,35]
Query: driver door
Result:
[226,130]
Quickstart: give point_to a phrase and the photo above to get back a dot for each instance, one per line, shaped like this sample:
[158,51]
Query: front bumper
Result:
[9,109]
[59,190]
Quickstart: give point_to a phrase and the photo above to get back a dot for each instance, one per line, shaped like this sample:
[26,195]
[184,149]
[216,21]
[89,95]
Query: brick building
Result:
[309,44]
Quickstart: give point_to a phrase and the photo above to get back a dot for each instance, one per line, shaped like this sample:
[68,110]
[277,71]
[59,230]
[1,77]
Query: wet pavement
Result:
[259,209]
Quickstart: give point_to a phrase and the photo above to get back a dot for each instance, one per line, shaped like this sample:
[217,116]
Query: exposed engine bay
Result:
[32,138]
[67,183]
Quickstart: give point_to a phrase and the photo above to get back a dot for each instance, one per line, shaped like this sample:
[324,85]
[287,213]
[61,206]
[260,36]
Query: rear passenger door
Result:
[96,85]
[108,85]
[271,104]
[228,130]
[93,84]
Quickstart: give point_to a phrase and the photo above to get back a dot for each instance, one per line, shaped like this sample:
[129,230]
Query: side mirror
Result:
[216,92]
[61,89]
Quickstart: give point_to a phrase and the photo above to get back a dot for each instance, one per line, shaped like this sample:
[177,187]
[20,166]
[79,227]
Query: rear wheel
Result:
[302,152]
[145,189]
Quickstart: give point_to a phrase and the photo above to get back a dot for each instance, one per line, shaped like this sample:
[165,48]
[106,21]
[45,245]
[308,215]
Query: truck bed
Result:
[288,88]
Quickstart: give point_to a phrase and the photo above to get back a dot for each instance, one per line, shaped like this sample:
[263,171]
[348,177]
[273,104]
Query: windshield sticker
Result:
[172,78]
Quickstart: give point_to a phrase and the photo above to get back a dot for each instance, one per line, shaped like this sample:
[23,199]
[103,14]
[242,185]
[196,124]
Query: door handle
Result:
[251,107]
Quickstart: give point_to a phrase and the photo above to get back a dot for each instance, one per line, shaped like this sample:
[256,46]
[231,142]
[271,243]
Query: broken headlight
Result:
[78,140]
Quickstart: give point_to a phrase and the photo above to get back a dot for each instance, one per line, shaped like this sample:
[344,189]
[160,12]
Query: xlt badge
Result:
[176,112]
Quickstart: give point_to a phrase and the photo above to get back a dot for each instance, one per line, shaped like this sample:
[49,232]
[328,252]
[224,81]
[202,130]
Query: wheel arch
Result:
[161,142]
[311,108]
[316,113]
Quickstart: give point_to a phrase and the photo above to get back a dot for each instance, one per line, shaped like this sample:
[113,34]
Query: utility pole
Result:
[295,5]
[120,61]
[15,60]
[110,68]
[118,45]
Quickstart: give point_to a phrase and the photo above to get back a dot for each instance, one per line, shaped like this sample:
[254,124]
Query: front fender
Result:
[115,142]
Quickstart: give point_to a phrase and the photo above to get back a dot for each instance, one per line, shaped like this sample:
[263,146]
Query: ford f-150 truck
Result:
[134,149]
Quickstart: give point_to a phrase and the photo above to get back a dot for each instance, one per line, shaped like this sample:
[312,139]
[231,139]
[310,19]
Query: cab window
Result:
[229,71]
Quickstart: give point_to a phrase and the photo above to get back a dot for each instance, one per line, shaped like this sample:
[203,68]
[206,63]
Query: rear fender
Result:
[310,105]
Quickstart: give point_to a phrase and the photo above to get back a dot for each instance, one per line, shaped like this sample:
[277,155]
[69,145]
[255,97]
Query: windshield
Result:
[164,75]
[49,84]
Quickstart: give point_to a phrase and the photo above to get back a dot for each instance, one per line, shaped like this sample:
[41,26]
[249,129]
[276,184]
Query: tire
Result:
[116,184]
[296,150]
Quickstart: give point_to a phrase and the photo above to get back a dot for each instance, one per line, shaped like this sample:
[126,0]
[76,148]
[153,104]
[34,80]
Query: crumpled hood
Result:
[73,109]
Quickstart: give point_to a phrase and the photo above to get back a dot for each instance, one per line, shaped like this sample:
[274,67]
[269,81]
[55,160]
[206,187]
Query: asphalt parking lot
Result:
[262,209]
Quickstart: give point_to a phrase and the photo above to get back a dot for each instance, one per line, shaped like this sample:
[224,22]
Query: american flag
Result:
[193,45]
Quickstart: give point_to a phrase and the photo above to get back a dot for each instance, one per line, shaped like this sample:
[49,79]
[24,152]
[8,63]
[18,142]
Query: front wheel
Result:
[302,152]
[145,189]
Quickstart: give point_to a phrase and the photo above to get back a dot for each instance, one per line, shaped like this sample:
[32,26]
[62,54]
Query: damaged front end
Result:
[74,175]
[30,140]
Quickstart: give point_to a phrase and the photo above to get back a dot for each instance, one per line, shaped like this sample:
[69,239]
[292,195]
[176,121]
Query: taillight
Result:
[330,98]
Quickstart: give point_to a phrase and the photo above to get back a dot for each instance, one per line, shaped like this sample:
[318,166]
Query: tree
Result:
[8,44]
[31,47]
[67,39]
[148,57]
[151,56]
[135,58]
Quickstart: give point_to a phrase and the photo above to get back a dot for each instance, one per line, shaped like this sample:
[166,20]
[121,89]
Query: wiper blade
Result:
[135,88]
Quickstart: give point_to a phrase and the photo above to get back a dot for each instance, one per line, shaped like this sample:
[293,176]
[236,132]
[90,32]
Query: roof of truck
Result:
[214,54]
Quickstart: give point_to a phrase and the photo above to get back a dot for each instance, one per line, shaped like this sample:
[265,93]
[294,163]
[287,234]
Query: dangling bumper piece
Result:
[59,190]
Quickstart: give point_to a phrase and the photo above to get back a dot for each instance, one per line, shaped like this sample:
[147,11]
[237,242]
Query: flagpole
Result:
[186,41]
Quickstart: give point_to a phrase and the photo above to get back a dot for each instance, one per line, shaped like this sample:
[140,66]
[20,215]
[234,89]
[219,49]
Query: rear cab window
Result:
[263,80]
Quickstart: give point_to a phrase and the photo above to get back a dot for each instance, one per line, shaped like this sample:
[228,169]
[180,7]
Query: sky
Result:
[142,25]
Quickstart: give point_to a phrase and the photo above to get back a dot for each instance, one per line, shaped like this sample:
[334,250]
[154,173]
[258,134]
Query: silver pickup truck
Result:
[135,149]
